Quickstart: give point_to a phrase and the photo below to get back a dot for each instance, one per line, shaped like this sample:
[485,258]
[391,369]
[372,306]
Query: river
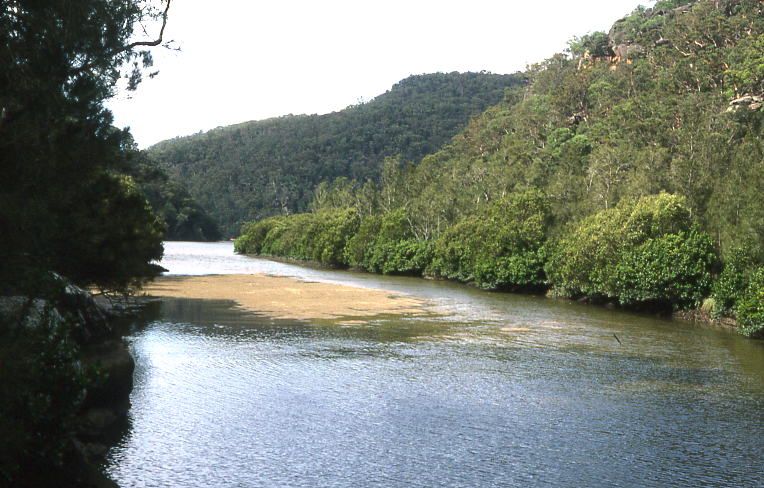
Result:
[498,390]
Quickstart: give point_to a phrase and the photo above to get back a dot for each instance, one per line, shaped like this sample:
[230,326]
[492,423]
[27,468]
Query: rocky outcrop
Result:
[750,102]
[105,401]
[627,52]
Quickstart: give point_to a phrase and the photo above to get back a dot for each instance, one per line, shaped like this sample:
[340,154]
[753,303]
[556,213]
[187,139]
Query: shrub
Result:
[674,268]
[42,386]
[360,246]
[406,257]
[320,236]
[385,244]
[253,235]
[732,281]
[331,232]
[644,251]
[500,248]
[750,307]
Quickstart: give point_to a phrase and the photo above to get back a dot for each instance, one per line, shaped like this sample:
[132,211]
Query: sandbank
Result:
[289,298]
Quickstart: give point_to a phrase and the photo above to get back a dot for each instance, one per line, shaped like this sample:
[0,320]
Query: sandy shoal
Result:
[289,298]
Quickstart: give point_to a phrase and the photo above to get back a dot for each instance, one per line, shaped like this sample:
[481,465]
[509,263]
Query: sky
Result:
[242,60]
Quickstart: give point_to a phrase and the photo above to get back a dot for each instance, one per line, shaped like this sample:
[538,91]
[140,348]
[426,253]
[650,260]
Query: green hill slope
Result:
[624,171]
[257,169]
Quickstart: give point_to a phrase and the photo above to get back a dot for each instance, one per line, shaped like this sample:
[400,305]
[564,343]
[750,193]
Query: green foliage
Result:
[595,44]
[320,237]
[118,237]
[674,268]
[733,281]
[67,205]
[183,218]
[257,169]
[646,251]
[64,205]
[405,257]
[253,236]
[750,307]
[385,244]
[42,386]
[641,163]
[500,248]
[746,71]
[360,247]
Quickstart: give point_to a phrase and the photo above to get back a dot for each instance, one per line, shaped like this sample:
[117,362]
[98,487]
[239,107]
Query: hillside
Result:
[256,169]
[181,216]
[629,169]
[667,103]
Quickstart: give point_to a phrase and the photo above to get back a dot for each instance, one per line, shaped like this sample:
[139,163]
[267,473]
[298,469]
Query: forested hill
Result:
[628,169]
[257,169]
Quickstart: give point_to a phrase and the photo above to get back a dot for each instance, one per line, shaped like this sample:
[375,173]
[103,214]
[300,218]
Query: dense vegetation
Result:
[258,169]
[648,251]
[69,205]
[642,152]
[66,202]
[182,217]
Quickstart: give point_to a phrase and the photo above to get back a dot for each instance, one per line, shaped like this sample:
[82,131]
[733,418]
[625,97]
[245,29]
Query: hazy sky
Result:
[248,60]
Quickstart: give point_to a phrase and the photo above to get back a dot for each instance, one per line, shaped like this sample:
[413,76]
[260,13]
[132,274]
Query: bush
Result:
[750,307]
[406,257]
[331,232]
[360,247]
[42,386]
[674,268]
[253,235]
[500,248]
[733,281]
[320,236]
[648,251]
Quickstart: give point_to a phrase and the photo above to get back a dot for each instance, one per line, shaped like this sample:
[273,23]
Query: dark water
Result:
[502,391]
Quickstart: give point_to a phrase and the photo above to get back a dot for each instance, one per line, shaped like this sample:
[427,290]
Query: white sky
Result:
[248,60]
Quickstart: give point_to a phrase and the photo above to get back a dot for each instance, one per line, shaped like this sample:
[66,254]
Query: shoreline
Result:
[694,316]
[290,298]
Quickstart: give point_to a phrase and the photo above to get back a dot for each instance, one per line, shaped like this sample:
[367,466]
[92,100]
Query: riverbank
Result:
[492,373]
[289,298]
[66,348]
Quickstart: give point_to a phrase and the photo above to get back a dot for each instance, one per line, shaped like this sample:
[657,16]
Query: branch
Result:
[153,43]
[133,45]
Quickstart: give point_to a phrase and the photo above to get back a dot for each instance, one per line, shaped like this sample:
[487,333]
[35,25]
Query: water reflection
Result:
[500,391]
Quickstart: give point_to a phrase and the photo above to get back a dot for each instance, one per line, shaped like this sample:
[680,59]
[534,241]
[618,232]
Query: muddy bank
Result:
[290,298]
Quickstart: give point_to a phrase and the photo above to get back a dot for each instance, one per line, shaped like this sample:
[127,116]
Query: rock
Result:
[28,313]
[93,320]
[96,420]
[751,102]
[103,411]
[627,52]
[114,362]
[577,118]
[94,451]
[99,428]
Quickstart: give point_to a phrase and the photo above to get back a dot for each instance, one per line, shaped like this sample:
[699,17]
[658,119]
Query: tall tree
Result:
[65,204]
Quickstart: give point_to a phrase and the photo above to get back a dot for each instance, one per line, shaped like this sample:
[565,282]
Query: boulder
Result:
[115,366]
[751,102]
[28,312]
[627,52]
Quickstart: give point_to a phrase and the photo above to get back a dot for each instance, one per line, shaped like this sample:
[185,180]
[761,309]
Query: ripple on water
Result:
[538,393]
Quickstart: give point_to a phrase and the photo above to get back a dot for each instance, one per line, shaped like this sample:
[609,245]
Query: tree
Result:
[67,206]
[644,251]
[61,160]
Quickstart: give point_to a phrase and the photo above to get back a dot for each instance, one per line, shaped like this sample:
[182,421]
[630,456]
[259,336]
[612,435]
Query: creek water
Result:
[496,390]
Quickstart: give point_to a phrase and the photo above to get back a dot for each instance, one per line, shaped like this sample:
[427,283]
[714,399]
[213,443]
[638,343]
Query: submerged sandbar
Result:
[289,298]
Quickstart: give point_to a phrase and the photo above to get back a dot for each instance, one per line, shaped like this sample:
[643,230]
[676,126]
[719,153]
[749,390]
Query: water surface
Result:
[502,390]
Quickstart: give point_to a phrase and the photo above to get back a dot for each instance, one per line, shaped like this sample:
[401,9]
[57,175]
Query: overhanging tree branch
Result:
[153,43]
[132,45]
